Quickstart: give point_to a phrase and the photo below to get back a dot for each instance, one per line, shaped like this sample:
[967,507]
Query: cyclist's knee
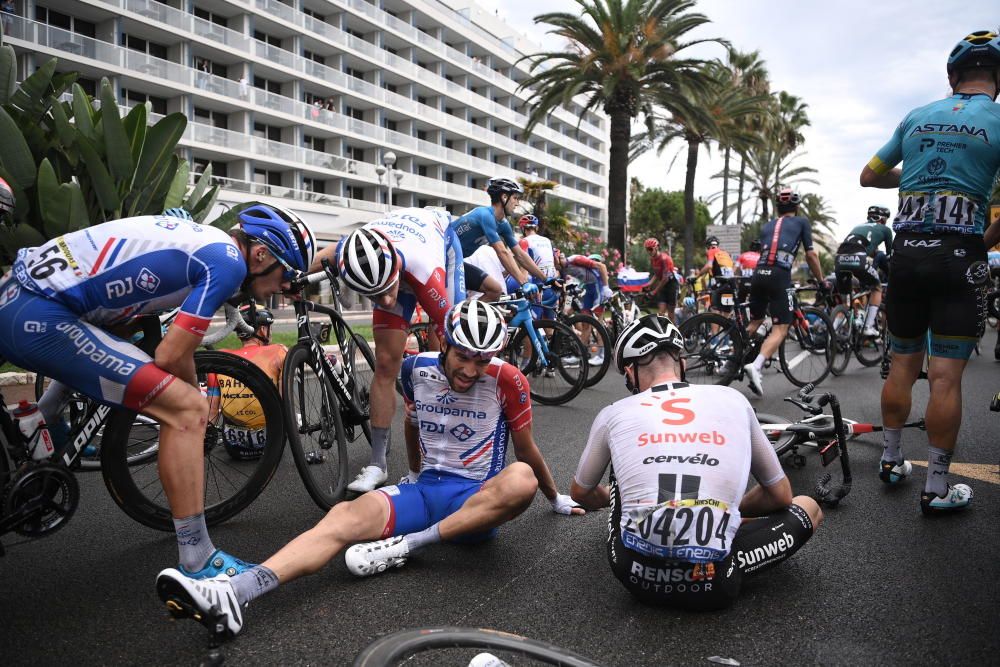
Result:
[180,406]
[519,484]
[812,508]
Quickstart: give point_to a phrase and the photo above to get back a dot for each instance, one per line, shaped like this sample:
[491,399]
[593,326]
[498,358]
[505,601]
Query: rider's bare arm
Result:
[812,259]
[762,500]
[889,180]
[591,499]
[412,436]
[525,261]
[773,491]
[175,354]
[509,263]
[992,235]
[586,488]
[527,451]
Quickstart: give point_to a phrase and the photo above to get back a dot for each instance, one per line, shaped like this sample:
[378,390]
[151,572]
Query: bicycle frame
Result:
[522,319]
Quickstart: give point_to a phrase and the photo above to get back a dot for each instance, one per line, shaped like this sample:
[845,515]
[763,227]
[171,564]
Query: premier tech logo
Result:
[675,412]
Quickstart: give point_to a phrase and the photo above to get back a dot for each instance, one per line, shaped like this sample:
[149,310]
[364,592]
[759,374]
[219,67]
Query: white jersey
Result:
[420,235]
[539,249]
[485,258]
[681,456]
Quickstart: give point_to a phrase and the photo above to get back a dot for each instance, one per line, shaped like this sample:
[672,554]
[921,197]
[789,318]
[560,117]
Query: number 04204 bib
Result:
[694,530]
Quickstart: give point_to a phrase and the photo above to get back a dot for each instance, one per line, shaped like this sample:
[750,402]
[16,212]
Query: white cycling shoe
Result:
[369,478]
[754,379]
[368,558]
[570,361]
[596,360]
[959,497]
[869,332]
[211,602]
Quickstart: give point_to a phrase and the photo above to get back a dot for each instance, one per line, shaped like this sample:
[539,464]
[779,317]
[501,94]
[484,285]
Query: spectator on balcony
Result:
[7,10]
[244,88]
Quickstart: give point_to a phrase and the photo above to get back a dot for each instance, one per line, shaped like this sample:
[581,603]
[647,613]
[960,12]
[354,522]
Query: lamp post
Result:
[386,169]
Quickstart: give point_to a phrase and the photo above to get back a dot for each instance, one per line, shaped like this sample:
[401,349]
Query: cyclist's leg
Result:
[763,543]
[389,329]
[497,501]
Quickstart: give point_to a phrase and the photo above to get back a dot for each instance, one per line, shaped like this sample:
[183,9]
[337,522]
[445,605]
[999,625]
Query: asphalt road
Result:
[878,584]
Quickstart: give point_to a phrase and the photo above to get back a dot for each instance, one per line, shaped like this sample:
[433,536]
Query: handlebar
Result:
[825,493]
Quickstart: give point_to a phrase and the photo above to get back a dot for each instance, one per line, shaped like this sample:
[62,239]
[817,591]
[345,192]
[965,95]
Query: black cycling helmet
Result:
[711,241]
[876,213]
[497,187]
[6,199]
[978,49]
[256,317]
[756,245]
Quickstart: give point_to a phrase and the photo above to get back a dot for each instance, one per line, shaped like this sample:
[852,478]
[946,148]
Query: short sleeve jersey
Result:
[722,262]
[583,269]
[111,272]
[950,150]
[480,227]
[485,258]
[780,239]
[662,265]
[464,434]
[238,404]
[877,234]
[748,262]
[539,249]
[681,456]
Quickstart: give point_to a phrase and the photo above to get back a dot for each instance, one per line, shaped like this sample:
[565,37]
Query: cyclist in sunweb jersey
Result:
[780,239]
[662,279]
[488,225]
[680,459]
[950,150]
[408,256]
[856,258]
[462,405]
[72,290]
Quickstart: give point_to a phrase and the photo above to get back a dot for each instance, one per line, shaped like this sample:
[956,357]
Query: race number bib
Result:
[912,208]
[949,210]
[689,529]
[245,438]
[726,299]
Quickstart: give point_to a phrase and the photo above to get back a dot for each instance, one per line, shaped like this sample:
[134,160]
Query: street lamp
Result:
[388,160]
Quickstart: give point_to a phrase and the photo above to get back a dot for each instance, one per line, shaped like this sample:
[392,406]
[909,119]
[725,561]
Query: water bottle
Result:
[338,368]
[487,660]
[36,433]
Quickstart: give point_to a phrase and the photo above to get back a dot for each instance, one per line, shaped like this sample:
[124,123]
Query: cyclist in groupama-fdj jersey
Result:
[950,150]
[680,459]
[463,405]
[68,292]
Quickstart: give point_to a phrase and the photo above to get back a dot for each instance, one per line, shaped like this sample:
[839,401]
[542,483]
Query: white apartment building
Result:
[300,101]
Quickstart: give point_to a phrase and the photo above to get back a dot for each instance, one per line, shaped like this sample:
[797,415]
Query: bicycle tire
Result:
[705,362]
[599,337]
[812,346]
[419,331]
[782,441]
[136,488]
[322,461]
[391,649]
[359,362]
[841,318]
[563,343]
[869,351]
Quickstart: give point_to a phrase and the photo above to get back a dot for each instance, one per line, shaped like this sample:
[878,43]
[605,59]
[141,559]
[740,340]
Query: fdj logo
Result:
[462,432]
[9,294]
[682,415]
[147,280]
[118,288]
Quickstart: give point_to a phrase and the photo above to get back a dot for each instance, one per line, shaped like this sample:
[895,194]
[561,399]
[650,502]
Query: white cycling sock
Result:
[253,583]
[427,536]
[938,461]
[891,450]
[380,446]
[193,542]
[759,362]
[872,314]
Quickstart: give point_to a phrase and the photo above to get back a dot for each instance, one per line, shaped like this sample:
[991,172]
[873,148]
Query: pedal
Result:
[995,403]
[829,452]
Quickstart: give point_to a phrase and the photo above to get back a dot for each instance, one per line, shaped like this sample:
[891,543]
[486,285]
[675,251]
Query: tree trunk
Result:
[739,196]
[692,166]
[725,187]
[764,210]
[621,130]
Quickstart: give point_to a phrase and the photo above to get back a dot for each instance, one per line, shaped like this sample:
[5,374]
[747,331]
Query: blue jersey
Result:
[780,240]
[950,151]
[479,227]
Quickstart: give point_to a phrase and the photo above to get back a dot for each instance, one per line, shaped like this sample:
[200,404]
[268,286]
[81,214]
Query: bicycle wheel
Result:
[806,353]
[782,441]
[394,648]
[315,429]
[597,344]
[713,349]
[566,373]
[869,351]
[359,362]
[231,482]
[840,316]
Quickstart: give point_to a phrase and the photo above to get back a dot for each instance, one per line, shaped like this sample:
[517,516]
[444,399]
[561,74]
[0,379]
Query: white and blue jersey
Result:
[480,227]
[951,158]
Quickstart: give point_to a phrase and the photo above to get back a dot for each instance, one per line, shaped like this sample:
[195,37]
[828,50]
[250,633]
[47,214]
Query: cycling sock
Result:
[872,314]
[253,583]
[193,542]
[427,536]
[891,450]
[938,461]
[759,362]
[380,446]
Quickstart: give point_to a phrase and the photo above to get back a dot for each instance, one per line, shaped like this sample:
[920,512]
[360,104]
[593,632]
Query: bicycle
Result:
[718,346]
[325,408]
[554,362]
[848,318]
[598,340]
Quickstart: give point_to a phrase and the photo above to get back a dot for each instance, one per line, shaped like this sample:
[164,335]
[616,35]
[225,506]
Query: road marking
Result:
[798,359]
[984,472]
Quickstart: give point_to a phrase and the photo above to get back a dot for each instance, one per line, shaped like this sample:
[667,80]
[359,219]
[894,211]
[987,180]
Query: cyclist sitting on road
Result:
[410,255]
[488,225]
[680,456]
[938,271]
[780,239]
[462,493]
[856,259]
[662,283]
[79,285]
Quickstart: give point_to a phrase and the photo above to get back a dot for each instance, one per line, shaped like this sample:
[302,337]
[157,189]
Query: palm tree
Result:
[620,53]
[746,71]
[713,116]
[823,220]
[788,123]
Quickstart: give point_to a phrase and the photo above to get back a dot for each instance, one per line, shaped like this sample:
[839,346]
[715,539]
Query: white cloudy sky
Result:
[859,65]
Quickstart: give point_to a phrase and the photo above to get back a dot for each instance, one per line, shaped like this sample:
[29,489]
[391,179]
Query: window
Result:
[209,117]
[220,169]
[314,185]
[261,36]
[64,21]
[265,131]
[389,124]
[356,73]
[354,192]
[356,33]
[422,170]
[448,143]
[133,97]
[423,203]
[267,177]
[449,177]
[89,86]
[316,15]
[267,84]
[144,46]
[391,87]
[356,114]
[211,16]
[354,153]
[315,57]
[314,143]
[422,135]
[421,99]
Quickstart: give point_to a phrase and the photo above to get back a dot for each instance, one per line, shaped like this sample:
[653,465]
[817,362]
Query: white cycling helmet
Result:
[645,335]
[476,327]
[367,262]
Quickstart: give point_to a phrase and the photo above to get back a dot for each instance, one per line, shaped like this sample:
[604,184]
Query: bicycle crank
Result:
[40,499]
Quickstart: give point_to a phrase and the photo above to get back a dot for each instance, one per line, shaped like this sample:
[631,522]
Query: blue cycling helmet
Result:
[178,213]
[528,221]
[282,232]
[978,49]
[689,302]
